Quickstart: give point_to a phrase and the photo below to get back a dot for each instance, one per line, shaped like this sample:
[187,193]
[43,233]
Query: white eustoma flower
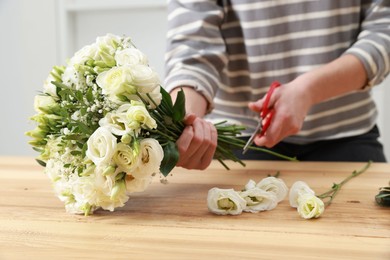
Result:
[117,121]
[275,186]
[145,78]
[258,200]
[151,155]
[310,206]
[116,83]
[139,117]
[225,202]
[130,56]
[297,189]
[153,98]
[84,54]
[126,157]
[137,185]
[101,146]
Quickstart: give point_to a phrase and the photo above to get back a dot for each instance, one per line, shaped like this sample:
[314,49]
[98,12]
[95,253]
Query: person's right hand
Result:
[197,143]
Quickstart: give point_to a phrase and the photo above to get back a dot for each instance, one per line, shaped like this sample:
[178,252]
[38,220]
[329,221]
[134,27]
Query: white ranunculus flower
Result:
[274,185]
[44,104]
[297,189]
[258,200]
[137,185]
[151,155]
[225,202]
[126,157]
[130,56]
[310,206]
[101,146]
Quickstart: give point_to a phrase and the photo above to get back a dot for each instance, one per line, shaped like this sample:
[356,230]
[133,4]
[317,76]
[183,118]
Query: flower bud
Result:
[126,139]
[109,170]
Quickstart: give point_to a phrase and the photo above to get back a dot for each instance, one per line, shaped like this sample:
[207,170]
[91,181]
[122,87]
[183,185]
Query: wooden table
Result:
[172,221]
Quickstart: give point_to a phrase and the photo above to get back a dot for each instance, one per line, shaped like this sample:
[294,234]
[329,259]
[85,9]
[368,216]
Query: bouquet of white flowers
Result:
[105,126]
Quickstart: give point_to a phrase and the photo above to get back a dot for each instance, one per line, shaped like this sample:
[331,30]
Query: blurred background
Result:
[38,34]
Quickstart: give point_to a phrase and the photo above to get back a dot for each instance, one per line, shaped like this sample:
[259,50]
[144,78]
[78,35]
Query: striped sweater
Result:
[232,50]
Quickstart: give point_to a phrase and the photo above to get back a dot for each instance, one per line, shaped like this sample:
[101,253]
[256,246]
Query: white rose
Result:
[145,78]
[130,56]
[310,206]
[225,202]
[116,83]
[45,104]
[274,185]
[125,157]
[137,185]
[258,200]
[297,189]
[151,155]
[101,146]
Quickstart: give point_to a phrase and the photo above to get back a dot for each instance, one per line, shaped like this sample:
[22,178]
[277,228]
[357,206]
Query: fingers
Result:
[289,108]
[197,144]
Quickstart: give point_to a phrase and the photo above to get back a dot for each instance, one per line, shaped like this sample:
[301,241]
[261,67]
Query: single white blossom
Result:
[126,157]
[151,155]
[101,146]
[258,199]
[310,206]
[297,189]
[225,202]
[275,186]
[130,56]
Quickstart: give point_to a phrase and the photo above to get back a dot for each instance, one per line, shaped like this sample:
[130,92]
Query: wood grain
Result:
[171,221]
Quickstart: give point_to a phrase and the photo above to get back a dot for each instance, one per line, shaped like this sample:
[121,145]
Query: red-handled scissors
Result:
[266,115]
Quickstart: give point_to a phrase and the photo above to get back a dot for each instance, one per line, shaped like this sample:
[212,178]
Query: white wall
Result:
[41,33]
[27,52]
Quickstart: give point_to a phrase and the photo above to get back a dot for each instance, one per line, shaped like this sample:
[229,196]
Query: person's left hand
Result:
[290,105]
[197,143]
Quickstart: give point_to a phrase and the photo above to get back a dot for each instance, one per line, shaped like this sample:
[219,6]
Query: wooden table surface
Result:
[171,221]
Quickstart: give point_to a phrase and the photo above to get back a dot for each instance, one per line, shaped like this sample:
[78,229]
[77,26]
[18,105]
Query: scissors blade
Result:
[250,140]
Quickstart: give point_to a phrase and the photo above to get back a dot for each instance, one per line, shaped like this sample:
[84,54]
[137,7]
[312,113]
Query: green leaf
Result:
[179,109]
[89,95]
[40,162]
[166,99]
[171,156]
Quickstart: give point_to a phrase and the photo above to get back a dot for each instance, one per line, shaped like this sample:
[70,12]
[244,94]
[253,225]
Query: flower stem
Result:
[331,194]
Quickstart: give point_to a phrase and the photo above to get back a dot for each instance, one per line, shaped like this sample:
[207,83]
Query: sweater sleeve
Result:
[195,53]
[373,43]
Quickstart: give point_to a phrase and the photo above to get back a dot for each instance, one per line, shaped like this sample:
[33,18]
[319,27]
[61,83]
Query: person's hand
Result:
[290,105]
[197,143]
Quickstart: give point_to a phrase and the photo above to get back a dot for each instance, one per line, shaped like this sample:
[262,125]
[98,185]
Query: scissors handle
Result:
[266,113]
